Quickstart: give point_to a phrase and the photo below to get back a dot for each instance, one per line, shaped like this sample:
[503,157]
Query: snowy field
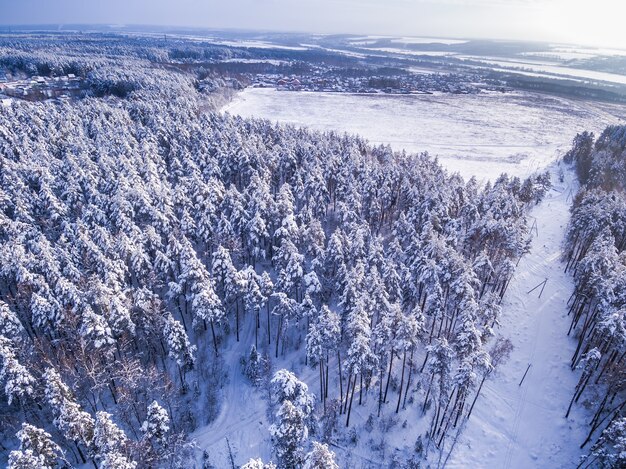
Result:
[477,135]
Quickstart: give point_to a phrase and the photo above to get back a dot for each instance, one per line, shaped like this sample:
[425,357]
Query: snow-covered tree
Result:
[36,451]
[207,306]
[18,381]
[115,460]
[258,464]
[157,423]
[178,343]
[320,457]
[75,424]
[288,435]
[10,325]
[610,449]
[287,387]
[96,329]
[108,437]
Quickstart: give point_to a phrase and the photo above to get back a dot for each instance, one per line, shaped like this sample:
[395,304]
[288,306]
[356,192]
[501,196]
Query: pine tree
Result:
[108,437]
[610,449]
[288,435]
[267,288]
[36,451]
[18,381]
[27,459]
[320,457]
[257,235]
[287,310]
[254,299]
[255,366]
[75,424]
[96,329]
[10,325]
[361,360]
[207,306]
[178,343]
[287,387]
[157,424]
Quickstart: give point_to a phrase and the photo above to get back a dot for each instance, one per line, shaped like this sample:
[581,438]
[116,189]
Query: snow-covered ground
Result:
[482,135]
[524,427]
[512,426]
[548,70]
[241,422]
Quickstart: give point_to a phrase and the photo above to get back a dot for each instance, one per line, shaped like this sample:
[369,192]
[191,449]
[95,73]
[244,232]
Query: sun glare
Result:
[597,23]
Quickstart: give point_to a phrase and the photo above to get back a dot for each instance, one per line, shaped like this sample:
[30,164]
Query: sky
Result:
[587,22]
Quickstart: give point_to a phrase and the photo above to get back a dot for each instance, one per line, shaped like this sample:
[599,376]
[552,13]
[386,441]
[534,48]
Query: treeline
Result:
[595,255]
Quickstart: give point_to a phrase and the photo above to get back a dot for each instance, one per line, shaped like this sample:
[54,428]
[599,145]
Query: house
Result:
[295,84]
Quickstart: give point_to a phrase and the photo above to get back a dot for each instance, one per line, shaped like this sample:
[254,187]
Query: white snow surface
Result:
[480,135]
[428,40]
[550,70]
[512,426]
[395,50]
[242,416]
[523,427]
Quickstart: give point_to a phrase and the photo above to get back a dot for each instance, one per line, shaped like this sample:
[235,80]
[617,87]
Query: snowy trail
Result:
[524,426]
[242,418]
[241,407]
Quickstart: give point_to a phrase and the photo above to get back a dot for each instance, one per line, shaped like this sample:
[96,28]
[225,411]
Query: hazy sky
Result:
[595,22]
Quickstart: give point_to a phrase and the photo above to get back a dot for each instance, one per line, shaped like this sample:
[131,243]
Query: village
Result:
[415,83]
[38,88]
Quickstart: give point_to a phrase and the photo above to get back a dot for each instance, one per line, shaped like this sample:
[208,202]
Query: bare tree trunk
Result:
[361,390]
[340,379]
[430,384]
[320,365]
[351,399]
[477,394]
[380,391]
[256,330]
[237,318]
[408,381]
[214,339]
[388,376]
[401,383]
[326,380]
[269,334]
[280,326]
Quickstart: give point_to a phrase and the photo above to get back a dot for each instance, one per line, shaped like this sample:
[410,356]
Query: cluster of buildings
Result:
[38,88]
[400,84]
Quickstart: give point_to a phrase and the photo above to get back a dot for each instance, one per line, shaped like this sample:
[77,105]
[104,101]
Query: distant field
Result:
[482,135]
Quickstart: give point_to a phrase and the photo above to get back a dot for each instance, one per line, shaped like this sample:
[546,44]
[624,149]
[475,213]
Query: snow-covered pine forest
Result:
[144,238]
[595,254]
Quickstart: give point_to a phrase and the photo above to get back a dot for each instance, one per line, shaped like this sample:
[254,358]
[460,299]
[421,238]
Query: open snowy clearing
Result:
[477,135]
[524,426]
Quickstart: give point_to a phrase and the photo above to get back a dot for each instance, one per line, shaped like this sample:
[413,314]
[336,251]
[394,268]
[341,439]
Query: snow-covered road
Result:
[524,426]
